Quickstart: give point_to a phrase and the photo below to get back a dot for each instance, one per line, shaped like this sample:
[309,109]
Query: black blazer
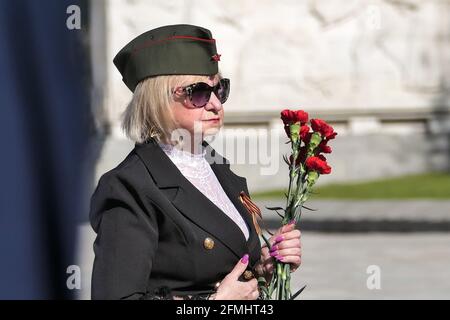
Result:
[154,228]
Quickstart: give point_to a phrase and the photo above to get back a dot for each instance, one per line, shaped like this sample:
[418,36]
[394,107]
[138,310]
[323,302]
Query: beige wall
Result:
[322,55]
[370,67]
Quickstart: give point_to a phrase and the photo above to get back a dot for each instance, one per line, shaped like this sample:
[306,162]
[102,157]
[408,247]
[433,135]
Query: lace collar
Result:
[178,155]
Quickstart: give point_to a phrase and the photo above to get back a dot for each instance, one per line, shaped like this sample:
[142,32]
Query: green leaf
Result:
[297,293]
[262,281]
[280,215]
[309,208]
[266,293]
[266,241]
[274,208]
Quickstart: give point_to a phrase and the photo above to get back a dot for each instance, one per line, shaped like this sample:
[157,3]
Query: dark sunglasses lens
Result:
[223,90]
[200,95]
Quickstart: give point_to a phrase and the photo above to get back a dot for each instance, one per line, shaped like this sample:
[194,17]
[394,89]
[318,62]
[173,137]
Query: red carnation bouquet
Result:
[306,163]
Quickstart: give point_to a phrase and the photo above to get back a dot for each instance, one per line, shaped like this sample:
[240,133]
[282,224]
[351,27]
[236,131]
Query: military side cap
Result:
[168,50]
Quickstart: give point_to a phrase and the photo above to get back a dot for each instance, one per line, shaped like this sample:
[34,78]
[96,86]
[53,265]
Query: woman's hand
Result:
[286,247]
[232,289]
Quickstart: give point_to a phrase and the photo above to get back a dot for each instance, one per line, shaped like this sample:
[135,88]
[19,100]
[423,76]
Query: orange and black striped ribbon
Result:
[253,210]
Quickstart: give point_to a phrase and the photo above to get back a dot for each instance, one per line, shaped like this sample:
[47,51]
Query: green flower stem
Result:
[278,265]
[288,283]
[292,176]
[295,146]
[290,186]
[271,286]
[299,182]
[285,280]
[266,241]
[283,273]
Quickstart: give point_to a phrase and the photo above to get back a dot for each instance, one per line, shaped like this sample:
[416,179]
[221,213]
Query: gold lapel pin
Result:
[248,275]
[208,243]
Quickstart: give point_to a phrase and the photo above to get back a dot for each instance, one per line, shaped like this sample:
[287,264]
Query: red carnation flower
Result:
[318,164]
[332,136]
[327,131]
[291,116]
[323,147]
[304,130]
[302,116]
[288,116]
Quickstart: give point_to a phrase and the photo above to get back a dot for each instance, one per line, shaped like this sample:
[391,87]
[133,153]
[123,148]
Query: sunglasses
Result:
[199,93]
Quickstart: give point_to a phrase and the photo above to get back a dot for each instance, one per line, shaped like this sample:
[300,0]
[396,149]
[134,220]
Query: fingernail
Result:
[280,258]
[244,259]
[279,239]
[274,253]
[275,247]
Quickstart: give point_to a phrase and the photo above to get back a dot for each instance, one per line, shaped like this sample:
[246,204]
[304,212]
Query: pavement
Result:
[411,265]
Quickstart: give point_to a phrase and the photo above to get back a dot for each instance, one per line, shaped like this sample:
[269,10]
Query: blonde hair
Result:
[149,113]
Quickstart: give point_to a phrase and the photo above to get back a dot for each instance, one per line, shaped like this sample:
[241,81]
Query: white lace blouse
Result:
[198,171]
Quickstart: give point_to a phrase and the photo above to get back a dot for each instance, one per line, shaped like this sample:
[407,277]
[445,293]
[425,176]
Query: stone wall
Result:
[378,70]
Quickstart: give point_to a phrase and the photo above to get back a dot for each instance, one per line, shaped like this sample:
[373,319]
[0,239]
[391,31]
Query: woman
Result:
[169,220]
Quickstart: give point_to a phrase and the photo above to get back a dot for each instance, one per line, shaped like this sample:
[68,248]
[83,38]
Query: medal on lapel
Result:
[252,209]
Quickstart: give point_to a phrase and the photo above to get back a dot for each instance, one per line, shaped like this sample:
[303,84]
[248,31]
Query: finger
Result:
[286,244]
[266,257]
[279,255]
[240,267]
[295,260]
[287,236]
[269,261]
[287,228]
[265,251]
[269,268]
[287,252]
[278,237]
[275,239]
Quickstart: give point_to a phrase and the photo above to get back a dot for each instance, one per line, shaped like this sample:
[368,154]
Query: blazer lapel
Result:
[233,184]
[194,205]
